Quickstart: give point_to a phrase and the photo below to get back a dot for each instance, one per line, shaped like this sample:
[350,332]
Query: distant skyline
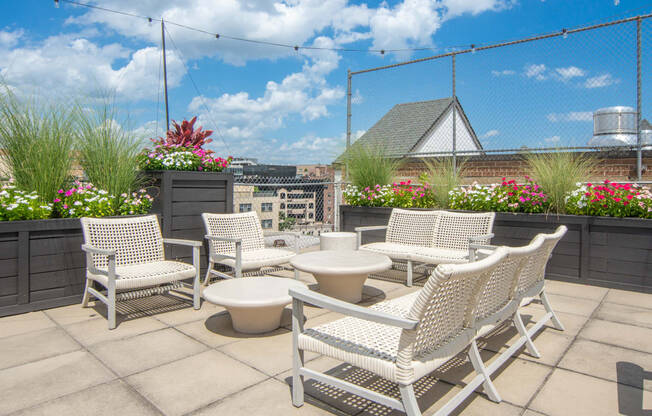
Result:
[286,106]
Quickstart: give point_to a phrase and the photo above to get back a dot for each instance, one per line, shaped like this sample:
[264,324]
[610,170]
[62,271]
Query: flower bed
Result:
[401,195]
[18,205]
[507,196]
[180,157]
[610,199]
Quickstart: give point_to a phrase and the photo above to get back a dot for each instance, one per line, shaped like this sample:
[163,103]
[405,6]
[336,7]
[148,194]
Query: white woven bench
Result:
[430,237]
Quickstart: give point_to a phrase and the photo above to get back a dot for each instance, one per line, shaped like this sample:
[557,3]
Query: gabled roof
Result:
[400,130]
[646,125]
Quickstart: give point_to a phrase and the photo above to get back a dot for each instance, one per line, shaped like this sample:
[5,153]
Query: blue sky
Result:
[284,106]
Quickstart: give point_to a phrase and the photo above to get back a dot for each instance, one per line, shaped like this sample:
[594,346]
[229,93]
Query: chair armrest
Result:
[475,247]
[191,243]
[273,233]
[481,238]
[217,238]
[336,305]
[94,250]
[370,228]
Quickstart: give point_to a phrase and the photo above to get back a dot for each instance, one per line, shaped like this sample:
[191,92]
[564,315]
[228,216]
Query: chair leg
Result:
[196,292]
[208,273]
[296,274]
[522,331]
[409,273]
[409,400]
[297,354]
[546,304]
[478,366]
[111,307]
[87,294]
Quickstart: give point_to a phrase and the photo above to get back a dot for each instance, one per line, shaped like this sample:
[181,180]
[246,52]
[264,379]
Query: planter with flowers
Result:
[185,179]
[609,242]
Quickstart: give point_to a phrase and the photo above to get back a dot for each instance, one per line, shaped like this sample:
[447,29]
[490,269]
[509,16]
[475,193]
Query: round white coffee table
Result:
[341,274]
[338,241]
[255,303]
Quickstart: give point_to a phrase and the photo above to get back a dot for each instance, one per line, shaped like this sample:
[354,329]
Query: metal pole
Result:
[639,156]
[348,109]
[165,78]
[454,118]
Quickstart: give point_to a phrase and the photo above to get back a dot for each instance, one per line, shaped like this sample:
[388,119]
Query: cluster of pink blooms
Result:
[402,195]
[610,199]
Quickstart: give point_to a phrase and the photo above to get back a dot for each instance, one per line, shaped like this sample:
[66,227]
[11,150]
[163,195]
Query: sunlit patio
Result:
[166,358]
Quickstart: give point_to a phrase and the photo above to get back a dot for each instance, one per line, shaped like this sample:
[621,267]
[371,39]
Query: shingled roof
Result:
[405,125]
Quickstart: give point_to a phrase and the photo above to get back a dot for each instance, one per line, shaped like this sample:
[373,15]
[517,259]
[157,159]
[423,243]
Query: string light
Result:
[150,21]
[472,48]
[217,36]
[565,33]
[56,4]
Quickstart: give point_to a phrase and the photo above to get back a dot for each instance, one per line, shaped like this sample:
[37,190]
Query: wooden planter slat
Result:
[604,251]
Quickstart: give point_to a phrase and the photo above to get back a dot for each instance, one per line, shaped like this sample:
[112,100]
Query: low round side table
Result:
[341,274]
[255,303]
[338,241]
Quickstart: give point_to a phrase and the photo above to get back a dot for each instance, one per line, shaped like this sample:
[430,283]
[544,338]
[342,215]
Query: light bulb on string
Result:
[56,4]
[382,53]
[565,33]
[472,48]
[150,21]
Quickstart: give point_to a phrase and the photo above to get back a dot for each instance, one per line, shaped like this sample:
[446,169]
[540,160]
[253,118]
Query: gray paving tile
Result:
[35,345]
[631,315]
[575,290]
[114,398]
[30,384]
[142,352]
[615,333]
[26,322]
[568,304]
[194,382]
[626,297]
[96,330]
[71,314]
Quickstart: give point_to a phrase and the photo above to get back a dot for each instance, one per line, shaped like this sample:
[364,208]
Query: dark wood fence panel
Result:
[613,252]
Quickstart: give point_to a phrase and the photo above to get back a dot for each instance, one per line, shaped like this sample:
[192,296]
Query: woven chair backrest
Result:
[445,305]
[534,270]
[245,226]
[136,240]
[499,290]
[414,228]
[455,228]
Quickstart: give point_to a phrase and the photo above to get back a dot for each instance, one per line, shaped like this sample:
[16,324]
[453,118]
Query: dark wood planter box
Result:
[41,264]
[181,197]
[604,251]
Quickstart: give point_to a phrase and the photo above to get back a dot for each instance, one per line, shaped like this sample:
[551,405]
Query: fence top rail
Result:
[562,32]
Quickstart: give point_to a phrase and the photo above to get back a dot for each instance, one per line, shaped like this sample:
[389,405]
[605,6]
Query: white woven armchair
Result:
[126,256]
[430,237]
[237,241]
[404,339]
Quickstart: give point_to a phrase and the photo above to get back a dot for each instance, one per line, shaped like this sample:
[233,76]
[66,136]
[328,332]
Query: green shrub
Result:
[368,166]
[443,177]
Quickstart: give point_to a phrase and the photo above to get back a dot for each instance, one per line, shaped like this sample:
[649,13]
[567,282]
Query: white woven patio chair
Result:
[238,241]
[125,255]
[404,339]
[430,237]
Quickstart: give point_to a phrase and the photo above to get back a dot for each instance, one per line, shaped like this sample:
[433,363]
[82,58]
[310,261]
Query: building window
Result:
[311,215]
[266,224]
[311,205]
[329,208]
[282,195]
[266,207]
[245,207]
[329,195]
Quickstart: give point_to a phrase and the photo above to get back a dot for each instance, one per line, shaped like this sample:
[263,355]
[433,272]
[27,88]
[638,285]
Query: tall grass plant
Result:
[368,166]
[443,177]
[37,139]
[558,174]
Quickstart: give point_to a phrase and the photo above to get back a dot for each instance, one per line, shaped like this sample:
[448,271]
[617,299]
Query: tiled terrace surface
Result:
[166,358]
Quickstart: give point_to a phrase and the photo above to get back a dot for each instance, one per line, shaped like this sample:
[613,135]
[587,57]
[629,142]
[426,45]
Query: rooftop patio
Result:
[166,358]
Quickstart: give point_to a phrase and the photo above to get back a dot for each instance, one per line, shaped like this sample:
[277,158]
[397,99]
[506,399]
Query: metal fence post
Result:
[348,109]
[639,156]
[454,117]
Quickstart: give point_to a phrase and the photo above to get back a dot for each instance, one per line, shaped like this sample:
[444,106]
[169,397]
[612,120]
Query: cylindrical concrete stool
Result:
[338,241]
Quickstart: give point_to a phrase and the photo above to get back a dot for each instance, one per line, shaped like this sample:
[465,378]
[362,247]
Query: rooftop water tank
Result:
[614,126]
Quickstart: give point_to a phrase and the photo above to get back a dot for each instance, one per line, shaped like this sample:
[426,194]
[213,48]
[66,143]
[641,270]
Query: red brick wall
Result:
[494,168]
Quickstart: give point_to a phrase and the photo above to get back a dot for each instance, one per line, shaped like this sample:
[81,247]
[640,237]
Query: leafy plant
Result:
[38,141]
[108,150]
[443,177]
[507,196]
[610,199]
[368,166]
[177,157]
[558,173]
[285,222]
[402,195]
[20,205]
[185,135]
[86,200]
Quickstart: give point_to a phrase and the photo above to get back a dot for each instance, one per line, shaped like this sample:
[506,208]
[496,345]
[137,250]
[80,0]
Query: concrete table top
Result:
[255,303]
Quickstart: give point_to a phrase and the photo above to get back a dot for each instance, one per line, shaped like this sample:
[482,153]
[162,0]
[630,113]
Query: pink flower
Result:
[57,200]
[60,191]
[68,193]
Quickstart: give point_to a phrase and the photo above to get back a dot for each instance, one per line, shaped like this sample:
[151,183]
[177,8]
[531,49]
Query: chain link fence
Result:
[535,94]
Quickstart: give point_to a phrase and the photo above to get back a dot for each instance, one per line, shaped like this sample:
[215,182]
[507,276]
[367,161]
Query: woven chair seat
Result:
[255,259]
[395,251]
[435,255]
[147,274]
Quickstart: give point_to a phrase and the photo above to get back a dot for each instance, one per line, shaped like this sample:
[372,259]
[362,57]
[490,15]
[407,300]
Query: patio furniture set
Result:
[475,288]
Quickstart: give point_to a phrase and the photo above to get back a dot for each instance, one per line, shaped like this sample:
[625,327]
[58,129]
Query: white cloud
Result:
[553,139]
[490,133]
[9,39]
[70,64]
[570,116]
[503,73]
[570,72]
[315,149]
[536,71]
[305,93]
[600,81]
[458,7]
